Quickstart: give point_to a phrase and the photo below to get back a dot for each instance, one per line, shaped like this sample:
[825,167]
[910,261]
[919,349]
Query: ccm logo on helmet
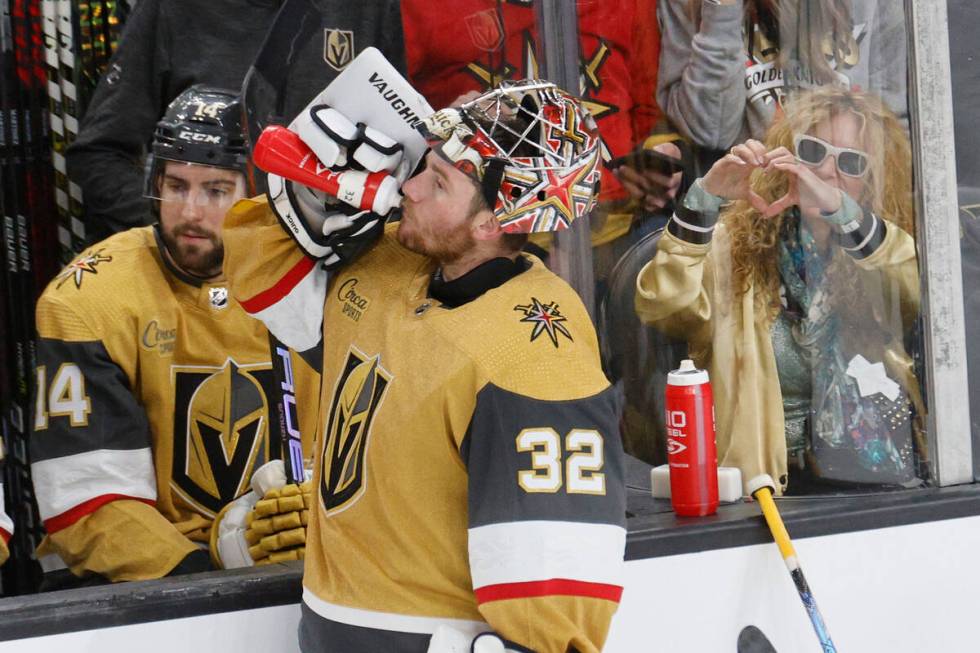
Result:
[200,138]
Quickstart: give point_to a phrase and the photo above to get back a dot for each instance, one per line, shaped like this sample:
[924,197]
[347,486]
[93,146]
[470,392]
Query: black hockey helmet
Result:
[203,125]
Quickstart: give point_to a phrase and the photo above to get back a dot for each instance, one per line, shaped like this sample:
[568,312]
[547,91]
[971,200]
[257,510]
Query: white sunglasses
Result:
[814,151]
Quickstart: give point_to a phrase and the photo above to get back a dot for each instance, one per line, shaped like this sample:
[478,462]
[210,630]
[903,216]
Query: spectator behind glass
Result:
[169,45]
[811,265]
[726,65]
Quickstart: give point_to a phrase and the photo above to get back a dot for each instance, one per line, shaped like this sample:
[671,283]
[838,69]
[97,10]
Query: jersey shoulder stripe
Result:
[541,558]
[76,485]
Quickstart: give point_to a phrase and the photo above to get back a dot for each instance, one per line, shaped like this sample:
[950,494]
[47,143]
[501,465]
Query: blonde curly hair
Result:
[887,190]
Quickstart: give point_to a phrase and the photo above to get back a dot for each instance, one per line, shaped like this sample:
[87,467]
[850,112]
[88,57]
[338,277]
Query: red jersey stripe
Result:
[69,517]
[550,587]
[283,287]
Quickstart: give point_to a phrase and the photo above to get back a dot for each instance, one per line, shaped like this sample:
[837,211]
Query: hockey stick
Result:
[761,488]
[57,124]
[72,106]
[290,438]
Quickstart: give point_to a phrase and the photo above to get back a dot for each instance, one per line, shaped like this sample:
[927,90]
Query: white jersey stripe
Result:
[386,620]
[63,483]
[289,317]
[517,552]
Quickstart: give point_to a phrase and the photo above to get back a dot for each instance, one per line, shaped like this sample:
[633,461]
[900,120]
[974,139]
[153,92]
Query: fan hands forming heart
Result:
[730,178]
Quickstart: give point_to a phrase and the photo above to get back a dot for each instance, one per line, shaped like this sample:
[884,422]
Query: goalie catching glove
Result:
[264,526]
[355,164]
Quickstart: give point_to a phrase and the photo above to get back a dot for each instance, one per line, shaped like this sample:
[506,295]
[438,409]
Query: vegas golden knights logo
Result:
[486,31]
[358,394]
[221,431]
[338,47]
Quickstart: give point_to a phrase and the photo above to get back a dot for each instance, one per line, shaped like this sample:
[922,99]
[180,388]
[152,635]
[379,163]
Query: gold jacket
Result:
[686,292]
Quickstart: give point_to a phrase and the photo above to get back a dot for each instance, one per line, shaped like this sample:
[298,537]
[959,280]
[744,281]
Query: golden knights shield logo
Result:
[486,30]
[359,391]
[221,431]
[338,47]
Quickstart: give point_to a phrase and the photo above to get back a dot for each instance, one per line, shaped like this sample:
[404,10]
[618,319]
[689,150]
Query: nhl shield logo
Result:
[485,30]
[338,47]
[218,298]
[357,396]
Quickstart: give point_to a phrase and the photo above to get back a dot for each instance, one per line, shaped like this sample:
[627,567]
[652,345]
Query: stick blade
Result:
[753,640]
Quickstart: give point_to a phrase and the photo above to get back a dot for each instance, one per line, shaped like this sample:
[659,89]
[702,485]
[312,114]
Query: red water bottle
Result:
[691,451]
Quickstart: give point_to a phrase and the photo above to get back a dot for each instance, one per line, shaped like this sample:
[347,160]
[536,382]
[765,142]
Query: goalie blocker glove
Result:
[327,229]
[324,228]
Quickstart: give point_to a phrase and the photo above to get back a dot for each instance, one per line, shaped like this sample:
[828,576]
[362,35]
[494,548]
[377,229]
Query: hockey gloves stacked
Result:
[335,228]
[264,526]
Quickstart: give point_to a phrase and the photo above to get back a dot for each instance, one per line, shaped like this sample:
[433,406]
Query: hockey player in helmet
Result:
[199,168]
[469,474]
[155,390]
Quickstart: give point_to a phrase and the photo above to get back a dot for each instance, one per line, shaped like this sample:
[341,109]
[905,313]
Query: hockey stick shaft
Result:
[764,496]
[290,438]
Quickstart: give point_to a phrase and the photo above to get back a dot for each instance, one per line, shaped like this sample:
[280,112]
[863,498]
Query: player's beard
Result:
[199,260]
[445,247]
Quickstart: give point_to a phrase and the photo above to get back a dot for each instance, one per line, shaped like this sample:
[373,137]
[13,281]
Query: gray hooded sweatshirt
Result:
[718,92]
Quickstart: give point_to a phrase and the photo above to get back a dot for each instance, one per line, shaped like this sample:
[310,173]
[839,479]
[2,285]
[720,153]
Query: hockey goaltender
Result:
[468,477]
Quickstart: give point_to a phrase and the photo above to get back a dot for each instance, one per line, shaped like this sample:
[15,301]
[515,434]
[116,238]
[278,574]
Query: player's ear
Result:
[486,226]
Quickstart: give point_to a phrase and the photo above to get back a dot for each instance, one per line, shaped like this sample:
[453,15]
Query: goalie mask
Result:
[532,148]
[201,127]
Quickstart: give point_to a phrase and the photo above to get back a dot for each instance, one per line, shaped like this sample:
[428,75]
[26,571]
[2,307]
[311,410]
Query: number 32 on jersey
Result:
[581,472]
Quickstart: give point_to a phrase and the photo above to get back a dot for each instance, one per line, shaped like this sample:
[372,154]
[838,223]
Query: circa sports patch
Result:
[76,269]
[545,318]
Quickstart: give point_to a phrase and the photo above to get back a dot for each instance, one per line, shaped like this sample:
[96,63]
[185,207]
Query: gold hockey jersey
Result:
[156,398]
[468,470]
